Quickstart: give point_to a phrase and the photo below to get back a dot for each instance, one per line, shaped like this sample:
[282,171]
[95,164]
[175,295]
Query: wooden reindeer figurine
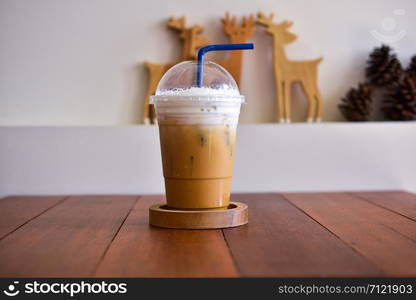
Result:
[237,34]
[289,71]
[191,40]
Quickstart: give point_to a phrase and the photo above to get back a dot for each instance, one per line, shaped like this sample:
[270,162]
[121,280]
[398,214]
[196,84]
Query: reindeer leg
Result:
[280,102]
[310,113]
[146,110]
[287,101]
[155,74]
[319,106]
[310,117]
[311,109]
[152,114]
[150,88]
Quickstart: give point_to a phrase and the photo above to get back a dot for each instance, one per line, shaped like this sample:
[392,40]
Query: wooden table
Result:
[312,234]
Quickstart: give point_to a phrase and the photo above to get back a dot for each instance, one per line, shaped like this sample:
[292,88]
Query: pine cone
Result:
[411,69]
[383,67]
[357,103]
[400,101]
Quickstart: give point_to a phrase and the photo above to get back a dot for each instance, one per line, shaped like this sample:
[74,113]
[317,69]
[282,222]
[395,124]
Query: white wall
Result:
[79,62]
[126,159]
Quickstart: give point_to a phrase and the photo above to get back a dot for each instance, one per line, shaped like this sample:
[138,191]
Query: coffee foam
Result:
[198,105]
[212,113]
[201,91]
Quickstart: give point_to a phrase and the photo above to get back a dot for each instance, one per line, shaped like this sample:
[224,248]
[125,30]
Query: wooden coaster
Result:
[235,215]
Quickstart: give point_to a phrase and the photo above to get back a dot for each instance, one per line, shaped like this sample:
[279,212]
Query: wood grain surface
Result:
[354,234]
[157,252]
[67,240]
[282,241]
[385,238]
[16,211]
[397,201]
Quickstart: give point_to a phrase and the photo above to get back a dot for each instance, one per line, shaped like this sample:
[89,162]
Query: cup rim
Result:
[196,99]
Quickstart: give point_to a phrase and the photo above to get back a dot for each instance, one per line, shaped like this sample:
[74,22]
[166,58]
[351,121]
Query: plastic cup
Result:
[197,129]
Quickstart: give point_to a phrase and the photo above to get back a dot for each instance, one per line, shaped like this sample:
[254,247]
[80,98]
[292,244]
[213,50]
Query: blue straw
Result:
[219,47]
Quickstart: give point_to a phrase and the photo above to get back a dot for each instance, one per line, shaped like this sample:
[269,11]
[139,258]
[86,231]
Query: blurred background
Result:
[67,67]
[82,62]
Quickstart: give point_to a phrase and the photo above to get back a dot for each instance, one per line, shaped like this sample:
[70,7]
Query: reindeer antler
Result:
[246,28]
[229,23]
[177,24]
[263,20]
[249,22]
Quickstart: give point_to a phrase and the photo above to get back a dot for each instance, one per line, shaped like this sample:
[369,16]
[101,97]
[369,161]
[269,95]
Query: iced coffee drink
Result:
[197,127]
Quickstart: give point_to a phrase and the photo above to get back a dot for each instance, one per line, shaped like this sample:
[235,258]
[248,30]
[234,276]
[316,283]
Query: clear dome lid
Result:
[179,83]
